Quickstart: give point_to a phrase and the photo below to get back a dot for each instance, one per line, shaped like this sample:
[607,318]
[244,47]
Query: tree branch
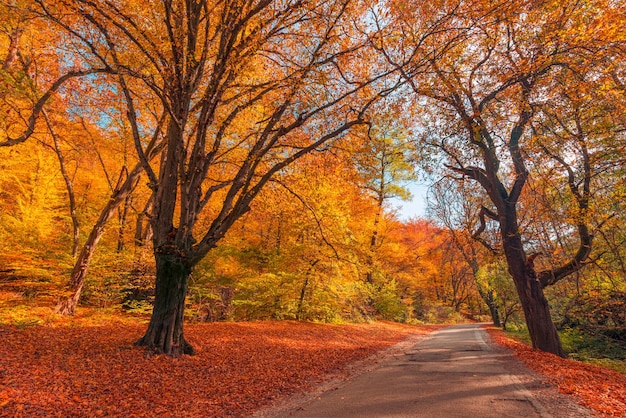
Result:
[39,105]
[485,212]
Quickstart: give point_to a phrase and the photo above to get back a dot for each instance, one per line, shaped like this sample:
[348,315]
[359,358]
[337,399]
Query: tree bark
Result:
[165,332]
[303,290]
[123,219]
[143,230]
[69,185]
[305,285]
[67,304]
[489,299]
[541,328]
[369,276]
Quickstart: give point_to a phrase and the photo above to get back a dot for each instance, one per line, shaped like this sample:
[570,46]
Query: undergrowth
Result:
[588,348]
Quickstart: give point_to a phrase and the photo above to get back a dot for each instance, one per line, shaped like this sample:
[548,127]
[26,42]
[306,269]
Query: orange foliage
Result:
[240,367]
[598,388]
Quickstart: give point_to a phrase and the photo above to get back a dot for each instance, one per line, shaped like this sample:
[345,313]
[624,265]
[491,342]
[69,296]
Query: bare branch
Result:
[485,212]
[39,105]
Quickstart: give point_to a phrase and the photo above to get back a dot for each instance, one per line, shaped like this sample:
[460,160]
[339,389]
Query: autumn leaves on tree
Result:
[236,81]
[214,105]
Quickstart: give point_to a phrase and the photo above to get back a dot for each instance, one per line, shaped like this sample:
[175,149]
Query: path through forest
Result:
[453,373]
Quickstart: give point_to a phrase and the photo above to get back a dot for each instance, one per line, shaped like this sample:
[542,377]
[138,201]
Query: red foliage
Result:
[240,367]
[600,389]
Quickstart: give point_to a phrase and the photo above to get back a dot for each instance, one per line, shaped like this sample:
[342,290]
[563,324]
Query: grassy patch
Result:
[519,333]
[594,349]
[591,349]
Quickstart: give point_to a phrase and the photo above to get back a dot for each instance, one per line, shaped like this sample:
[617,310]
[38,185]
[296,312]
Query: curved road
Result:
[452,373]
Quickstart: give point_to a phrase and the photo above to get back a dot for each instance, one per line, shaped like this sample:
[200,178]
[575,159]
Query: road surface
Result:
[452,373]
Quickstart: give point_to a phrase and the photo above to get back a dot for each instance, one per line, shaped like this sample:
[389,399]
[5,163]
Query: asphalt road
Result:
[453,373]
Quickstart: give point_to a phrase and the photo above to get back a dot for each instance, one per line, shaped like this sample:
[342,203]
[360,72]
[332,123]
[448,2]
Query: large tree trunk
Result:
[165,331]
[541,328]
[540,325]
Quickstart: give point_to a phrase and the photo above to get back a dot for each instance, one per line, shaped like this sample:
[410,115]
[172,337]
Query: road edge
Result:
[536,387]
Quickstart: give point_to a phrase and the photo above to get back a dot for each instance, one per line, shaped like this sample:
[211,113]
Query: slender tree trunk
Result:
[369,276]
[123,218]
[302,295]
[493,307]
[143,230]
[165,331]
[472,260]
[68,185]
[486,295]
[67,304]
[303,290]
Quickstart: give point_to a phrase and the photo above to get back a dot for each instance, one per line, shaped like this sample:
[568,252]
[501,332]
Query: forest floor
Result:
[87,366]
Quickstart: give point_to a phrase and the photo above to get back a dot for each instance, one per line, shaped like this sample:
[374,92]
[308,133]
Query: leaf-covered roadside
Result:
[240,367]
[600,389]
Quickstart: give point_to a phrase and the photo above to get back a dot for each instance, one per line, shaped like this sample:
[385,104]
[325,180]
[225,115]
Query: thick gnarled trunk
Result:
[165,331]
[541,328]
